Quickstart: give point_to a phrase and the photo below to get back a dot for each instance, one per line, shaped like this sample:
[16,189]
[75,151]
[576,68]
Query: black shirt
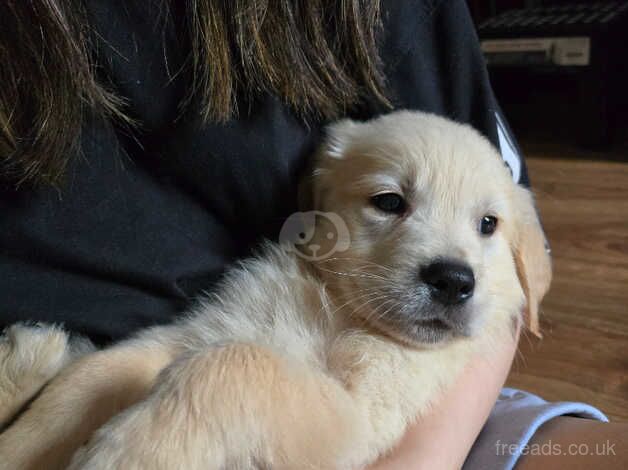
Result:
[148,217]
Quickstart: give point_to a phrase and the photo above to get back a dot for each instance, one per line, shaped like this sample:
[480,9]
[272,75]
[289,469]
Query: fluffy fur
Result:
[311,364]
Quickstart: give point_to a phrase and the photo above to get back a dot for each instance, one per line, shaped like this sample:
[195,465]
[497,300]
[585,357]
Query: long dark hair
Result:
[320,57]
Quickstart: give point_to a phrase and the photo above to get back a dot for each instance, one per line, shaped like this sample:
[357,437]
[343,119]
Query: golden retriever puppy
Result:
[316,354]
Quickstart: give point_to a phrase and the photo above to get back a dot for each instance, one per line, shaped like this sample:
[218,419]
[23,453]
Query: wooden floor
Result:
[584,353]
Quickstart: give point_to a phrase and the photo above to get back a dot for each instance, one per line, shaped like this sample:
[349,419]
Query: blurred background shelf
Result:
[559,68]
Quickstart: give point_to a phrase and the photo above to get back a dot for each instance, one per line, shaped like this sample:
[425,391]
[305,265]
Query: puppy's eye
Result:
[488,225]
[389,202]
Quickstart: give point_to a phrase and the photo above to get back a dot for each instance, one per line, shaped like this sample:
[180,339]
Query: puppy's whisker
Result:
[352,297]
[376,293]
[359,307]
[374,312]
[368,294]
[369,263]
[372,269]
[378,316]
[359,271]
[375,275]
[352,274]
[387,311]
[369,274]
[356,292]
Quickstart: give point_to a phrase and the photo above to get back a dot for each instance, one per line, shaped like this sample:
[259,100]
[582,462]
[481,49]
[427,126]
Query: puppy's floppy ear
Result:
[337,138]
[531,254]
[314,188]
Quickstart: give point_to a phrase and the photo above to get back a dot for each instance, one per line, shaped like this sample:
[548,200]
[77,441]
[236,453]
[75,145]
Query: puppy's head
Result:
[441,238]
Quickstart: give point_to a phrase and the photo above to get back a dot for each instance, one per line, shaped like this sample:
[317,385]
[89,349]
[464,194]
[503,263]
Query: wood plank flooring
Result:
[584,353]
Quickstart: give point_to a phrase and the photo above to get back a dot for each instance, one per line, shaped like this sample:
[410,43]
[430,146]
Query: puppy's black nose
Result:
[450,282]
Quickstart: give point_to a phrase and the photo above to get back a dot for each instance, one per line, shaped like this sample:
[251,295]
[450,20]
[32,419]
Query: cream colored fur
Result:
[294,364]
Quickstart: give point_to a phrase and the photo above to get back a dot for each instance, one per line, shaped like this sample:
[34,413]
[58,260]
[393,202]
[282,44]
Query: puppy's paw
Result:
[29,357]
[37,350]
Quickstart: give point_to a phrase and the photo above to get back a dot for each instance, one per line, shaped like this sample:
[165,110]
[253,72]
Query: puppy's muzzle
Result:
[450,282]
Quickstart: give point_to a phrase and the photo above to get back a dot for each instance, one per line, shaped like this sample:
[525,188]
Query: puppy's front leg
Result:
[29,357]
[80,399]
[393,385]
[237,406]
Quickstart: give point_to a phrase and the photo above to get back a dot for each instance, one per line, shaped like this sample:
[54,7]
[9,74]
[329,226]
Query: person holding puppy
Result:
[147,146]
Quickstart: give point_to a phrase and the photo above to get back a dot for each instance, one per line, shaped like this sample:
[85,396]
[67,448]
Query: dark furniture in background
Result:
[559,68]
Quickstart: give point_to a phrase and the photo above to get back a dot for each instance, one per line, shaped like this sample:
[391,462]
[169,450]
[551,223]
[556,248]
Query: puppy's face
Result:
[434,220]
